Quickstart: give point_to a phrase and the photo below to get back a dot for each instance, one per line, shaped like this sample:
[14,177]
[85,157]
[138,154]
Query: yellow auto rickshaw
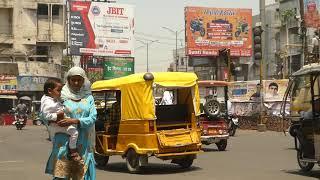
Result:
[136,128]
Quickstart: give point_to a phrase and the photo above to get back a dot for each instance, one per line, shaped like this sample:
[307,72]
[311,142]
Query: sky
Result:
[152,15]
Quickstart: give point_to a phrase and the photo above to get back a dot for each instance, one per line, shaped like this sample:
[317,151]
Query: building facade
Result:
[32,39]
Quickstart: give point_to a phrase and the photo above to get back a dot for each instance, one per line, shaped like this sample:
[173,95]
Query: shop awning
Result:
[8,97]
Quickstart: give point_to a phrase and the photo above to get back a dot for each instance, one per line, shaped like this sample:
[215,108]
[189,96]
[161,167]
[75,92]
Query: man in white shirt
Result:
[315,45]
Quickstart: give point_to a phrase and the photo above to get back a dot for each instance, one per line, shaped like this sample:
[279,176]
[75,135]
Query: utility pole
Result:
[147,43]
[304,33]
[176,33]
[177,58]
[262,127]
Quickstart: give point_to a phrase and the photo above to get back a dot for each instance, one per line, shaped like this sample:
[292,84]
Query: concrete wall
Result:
[33,68]
[26,34]
[29,27]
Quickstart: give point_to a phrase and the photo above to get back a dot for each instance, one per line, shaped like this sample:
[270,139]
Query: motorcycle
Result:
[197,25]
[243,27]
[20,121]
[233,124]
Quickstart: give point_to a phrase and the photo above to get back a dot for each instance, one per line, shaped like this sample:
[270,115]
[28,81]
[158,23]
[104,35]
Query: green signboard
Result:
[117,67]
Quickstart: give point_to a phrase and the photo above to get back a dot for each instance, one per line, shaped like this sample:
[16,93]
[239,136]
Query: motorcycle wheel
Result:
[222,145]
[232,130]
[304,166]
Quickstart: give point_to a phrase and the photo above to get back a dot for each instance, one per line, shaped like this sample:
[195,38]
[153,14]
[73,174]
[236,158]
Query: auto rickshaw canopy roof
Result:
[313,68]
[165,79]
[137,99]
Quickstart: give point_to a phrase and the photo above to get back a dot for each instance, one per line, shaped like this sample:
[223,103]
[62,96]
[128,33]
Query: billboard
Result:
[118,67]
[8,84]
[312,13]
[101,29]
[243,91]
[211,29]
[274,90]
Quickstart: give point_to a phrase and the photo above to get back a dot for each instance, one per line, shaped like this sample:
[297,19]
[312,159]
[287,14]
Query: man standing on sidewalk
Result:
[315,45]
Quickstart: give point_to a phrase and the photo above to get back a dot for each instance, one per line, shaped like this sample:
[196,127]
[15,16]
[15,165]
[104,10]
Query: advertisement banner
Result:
[312,13]
[210,29]
[94,74]
[274,90]
[8,84]
[31,83]
[101,29]
[118,67]
[244,91]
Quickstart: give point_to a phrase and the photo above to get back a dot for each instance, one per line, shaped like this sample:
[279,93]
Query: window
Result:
[182,61]
[42,53]
[43,9]
[55,10]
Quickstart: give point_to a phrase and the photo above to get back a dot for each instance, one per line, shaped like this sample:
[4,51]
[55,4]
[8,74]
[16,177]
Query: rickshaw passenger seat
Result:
[171,114]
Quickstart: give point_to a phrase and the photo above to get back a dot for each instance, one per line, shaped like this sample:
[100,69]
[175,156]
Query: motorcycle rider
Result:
[22,110]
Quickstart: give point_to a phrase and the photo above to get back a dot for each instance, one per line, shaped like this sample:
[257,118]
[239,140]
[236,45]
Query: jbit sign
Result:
[115,10]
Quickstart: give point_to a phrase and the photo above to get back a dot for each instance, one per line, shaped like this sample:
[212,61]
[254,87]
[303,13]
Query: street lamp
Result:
[176,33]
[147,44]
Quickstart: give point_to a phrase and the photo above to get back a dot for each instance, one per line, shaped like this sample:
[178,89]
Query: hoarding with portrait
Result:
[312,13]
[210,29]
[274,90]
[101,29]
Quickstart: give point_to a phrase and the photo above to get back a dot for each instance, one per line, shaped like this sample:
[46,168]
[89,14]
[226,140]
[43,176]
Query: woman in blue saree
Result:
[80,110]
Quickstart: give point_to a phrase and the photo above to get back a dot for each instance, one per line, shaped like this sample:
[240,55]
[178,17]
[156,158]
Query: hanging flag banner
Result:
[101,29]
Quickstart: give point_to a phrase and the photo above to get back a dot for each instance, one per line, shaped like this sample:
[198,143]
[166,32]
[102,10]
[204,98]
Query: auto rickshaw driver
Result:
[309,114]
[115,114]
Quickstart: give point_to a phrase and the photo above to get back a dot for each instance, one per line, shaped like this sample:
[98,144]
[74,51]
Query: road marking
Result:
[4,162]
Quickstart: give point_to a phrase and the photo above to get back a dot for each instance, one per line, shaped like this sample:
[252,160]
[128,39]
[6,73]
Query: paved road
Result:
[250,155]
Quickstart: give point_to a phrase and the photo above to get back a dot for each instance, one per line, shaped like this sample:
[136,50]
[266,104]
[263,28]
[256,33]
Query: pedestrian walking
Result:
[79,106]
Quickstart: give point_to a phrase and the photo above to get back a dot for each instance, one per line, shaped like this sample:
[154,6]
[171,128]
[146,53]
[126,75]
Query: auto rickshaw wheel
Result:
[101,160]
[132,160]
[222,145]
[212,108]
[304,166]
[185,162]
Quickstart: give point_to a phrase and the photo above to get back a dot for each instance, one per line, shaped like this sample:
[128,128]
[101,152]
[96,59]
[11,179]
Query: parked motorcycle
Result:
[197,25]
[233,124]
